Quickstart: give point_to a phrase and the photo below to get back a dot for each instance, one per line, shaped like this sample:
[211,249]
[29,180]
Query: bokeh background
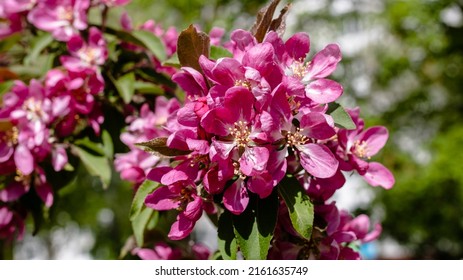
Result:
[402,65]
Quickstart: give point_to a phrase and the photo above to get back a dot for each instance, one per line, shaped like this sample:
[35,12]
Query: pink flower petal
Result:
[323,91]
[323,63]
[298,46]
[24,160]
[375,138]
[181,228]
[254,161]
[378,175]
[236,197]
[318,160]
[162,199]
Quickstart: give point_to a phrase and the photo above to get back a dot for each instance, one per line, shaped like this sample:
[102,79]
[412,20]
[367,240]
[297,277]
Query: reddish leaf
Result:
[264,20]
[279,24]
[6,74]
[190,46]
[158,146]
[5,125]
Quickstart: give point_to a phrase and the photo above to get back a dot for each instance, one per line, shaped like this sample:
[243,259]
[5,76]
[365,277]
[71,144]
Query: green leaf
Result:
[96,165]
[139,199]
[90,145]
[152,43]
[140,222]
[173,61]
[148,88]
[108,146]
[254,227]
[301,210]
[158,146]
[341,118]
[5,87]
[7,43]
[191,45]
[125,85]
[38,44]
[226,236]
[218,52]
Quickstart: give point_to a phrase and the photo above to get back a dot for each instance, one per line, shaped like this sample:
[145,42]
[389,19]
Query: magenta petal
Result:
[174,176]
[261,185]
[191,81]
[59,158]
[5,216]
[45,192]
[236,197]
[215,121]
[323,63]
[227,71]
[5,152]
[374,234]
[194,209]
[24,160]
[156,173]
[254,161]
[213,182]
[13,191]
[223,149]
[323,91]
[298,46]
[260,57]
[181,228]
[162,199]
[378,175]
[318,160]
[316,126]
[375,138]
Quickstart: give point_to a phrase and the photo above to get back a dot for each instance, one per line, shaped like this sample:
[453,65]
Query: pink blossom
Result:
[62,18]
[85,55]
[160,251]
[10,22]
[356,147]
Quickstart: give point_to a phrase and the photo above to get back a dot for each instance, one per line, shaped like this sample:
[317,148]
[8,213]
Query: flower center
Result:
[10,137]
[184,198]
[89,55]
[361,149]
[21,178]
[65,13]
[296,138]
[33,108]
[243,83]
[237,171]
[298,69]
[240,133]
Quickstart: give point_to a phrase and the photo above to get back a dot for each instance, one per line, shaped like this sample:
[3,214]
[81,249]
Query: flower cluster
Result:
[254,118]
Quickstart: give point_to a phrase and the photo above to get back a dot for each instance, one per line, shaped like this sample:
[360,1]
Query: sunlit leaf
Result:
[126,86]
[300,208]
[139,199]
[254,227]
[341,118]
[218,52]
[38,44]
[152,43]
[96,165]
